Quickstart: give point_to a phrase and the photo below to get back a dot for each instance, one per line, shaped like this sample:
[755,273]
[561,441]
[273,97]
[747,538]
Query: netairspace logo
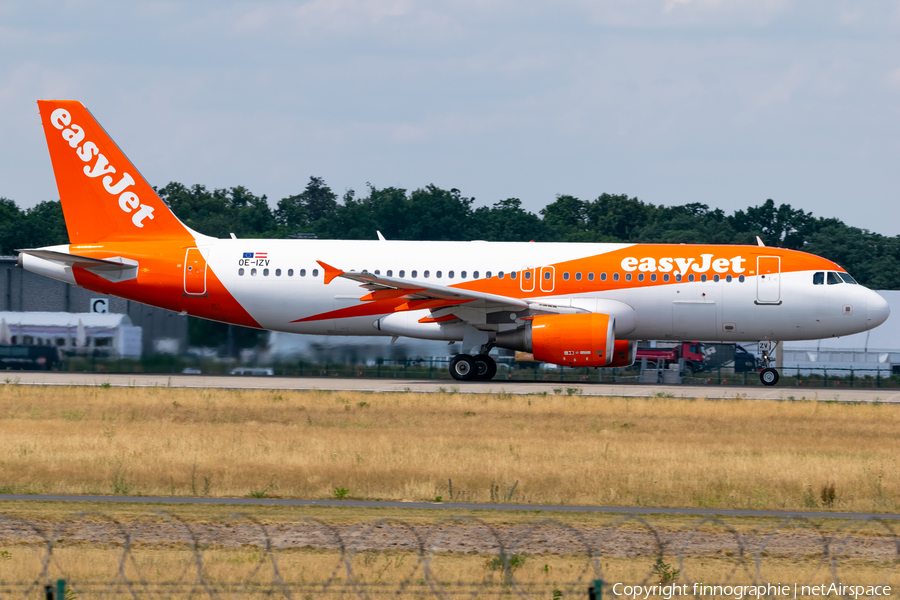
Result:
[749,591]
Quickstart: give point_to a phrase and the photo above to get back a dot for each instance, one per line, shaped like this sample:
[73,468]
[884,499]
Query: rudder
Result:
[103,196]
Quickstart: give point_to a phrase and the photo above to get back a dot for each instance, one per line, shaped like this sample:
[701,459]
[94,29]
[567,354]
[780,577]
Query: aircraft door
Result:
[526,279]
[195,271]
[768,279]
[548,279]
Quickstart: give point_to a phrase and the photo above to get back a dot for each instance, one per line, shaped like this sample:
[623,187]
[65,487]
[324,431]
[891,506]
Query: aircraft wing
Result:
[423,291]
[454,303]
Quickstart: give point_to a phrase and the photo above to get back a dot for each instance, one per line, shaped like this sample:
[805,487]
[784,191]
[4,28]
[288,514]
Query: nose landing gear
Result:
[769,375]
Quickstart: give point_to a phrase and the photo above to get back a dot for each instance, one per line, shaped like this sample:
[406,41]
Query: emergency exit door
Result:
[768,279]
[195,272]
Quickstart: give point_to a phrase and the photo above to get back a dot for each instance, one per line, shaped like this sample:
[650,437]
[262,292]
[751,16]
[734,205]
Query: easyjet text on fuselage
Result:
[681,265]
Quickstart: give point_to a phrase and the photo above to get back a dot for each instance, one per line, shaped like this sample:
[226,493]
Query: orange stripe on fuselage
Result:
[611,262]
[380,307]
[160,281]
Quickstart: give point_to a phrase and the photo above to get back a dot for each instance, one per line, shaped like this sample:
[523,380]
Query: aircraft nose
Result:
[877,310]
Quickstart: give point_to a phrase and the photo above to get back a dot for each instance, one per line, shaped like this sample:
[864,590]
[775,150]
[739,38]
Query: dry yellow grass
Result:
[560,449]
[95,572]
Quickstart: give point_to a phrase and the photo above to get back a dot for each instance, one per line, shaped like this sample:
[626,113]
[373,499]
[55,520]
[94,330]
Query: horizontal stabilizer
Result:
[73,260]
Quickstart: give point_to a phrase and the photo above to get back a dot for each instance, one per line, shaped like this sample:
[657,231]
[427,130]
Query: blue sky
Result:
[721,102]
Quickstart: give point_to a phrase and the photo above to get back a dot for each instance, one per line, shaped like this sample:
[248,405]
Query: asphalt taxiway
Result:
[381,385]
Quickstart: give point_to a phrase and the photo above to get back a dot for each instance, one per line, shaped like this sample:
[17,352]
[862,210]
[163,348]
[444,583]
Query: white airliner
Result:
[568,304]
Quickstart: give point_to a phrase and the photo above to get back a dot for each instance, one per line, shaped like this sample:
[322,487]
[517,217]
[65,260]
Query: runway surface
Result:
[625,510]
[361,384]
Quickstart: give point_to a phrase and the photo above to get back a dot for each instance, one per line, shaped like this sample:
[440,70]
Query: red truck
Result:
[691,352]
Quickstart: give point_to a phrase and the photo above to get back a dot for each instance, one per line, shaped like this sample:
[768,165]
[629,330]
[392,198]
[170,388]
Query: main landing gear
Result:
[768,376]
[480,367]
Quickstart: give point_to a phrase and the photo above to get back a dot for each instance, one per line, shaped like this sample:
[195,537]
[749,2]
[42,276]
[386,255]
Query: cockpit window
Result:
[847,279]
[833,278]
[819,278]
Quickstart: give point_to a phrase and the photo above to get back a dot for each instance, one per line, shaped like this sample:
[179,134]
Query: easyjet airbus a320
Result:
[568,304]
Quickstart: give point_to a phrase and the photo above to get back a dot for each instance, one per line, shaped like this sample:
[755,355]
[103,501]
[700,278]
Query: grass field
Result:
[503,448]
[318,574]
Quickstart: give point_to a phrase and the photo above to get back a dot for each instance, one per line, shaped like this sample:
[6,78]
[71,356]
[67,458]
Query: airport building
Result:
[22,292]
[108,334]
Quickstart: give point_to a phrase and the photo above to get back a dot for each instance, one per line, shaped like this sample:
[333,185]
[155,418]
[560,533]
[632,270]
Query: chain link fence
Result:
[159,555]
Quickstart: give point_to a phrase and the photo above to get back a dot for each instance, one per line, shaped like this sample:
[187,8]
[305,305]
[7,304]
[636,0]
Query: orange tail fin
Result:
[104,198]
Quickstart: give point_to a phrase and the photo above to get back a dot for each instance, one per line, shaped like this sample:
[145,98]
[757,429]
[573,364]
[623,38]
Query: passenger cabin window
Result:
[475,274]
[450,274]
[577,276]
[240,271]
[819,278]
[414,274]
[390,273]
[566,276]
[833,278]
[488,274]
[438,274]
[512,275]
[402,274]
[665,277]
[615,276]
[462,274]
[315,273]
[277,272]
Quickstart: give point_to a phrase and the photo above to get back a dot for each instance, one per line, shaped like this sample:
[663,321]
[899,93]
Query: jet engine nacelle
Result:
[624,353]
[579,340]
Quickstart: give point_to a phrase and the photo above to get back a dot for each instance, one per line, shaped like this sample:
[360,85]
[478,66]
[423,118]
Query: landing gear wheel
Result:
[768,376]
[463,367]
[485,367]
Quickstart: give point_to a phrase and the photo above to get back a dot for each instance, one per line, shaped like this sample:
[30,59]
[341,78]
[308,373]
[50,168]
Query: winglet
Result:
[330,272]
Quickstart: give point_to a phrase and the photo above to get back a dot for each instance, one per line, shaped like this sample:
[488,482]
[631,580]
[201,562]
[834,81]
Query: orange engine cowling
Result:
[578,340]
[624,353]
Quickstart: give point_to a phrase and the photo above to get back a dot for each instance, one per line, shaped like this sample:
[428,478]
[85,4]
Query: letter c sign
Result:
[100,305]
